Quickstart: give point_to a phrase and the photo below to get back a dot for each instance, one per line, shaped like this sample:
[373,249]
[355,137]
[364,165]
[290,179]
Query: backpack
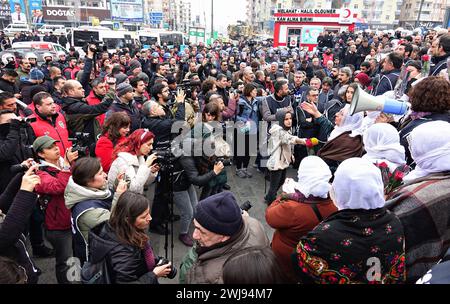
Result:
[96,273]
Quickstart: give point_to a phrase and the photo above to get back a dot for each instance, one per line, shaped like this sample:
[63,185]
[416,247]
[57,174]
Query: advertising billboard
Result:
[36,12]
[127,10]
[17,11]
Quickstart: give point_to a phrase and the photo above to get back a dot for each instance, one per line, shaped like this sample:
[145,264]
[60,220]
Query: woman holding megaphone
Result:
[344,140]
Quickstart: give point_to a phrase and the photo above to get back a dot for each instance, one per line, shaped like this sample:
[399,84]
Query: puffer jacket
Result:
[135,169]
[76,194]
[280,148]
[206,268]
[12,240]
[126,263]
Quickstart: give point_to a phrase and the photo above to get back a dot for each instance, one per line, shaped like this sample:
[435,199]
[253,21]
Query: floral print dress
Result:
[353,247]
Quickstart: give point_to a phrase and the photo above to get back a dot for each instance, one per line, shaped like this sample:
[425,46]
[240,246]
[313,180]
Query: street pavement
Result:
[251,189]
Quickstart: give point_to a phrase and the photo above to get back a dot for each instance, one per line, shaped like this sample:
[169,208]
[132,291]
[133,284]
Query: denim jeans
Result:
[276,181]
[61,241]
[186,202]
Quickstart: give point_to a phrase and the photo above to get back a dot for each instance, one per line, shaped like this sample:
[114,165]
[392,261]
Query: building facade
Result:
[431,15]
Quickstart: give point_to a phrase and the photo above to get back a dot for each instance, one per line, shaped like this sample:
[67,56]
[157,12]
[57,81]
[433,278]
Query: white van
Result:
[55,28]
[14,28]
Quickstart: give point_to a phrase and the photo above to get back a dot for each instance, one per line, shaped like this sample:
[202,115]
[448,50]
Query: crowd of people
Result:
[88,161]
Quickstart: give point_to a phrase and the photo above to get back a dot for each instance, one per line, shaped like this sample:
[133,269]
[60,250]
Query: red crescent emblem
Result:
[349,13]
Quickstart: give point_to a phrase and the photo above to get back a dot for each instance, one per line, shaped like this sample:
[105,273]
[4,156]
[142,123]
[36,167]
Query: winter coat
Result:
[104,150]
[93,100]
[206,267]
[90,207]
[387,83]
[26,88]
[190,175]
[7,86]
[423,207]
[349,245]
[280,148]
[440,63]
[247,113]
[293,216]
[162,126]
[53,184]
[130,109]
[126,263]
[135,169]
[12,226]
[15,141]
[81,117]
[55,127]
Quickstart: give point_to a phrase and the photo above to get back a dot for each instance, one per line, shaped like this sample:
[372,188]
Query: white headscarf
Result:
[313,178]
[429,144]
[382,143]
[349,123]
[358,185]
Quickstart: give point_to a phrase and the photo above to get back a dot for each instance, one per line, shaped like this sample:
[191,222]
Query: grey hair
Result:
[346,70]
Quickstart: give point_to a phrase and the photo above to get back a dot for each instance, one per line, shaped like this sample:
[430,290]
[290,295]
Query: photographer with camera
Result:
[123,244]
[221,229]
[129,158]
[81,117]
[54,172]
[16,137]
[49,121]
[158,117]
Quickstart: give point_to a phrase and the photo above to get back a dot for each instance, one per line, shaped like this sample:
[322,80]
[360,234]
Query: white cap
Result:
[60,53]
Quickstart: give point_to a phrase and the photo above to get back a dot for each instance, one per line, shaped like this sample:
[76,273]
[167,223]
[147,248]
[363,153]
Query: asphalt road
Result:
[251,189]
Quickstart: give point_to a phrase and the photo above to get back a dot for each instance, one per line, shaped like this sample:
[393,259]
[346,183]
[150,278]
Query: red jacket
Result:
[57,216]
[92,100]
[55,128]
[104,149]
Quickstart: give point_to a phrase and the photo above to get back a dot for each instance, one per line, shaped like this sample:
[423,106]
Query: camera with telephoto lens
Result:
[225,161]
[80,144]
[164,156]
[173,270]
[246,206]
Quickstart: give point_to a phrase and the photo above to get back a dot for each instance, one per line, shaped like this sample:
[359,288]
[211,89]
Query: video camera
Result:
[189,86]
[81,144]
[164,155]
[89,45]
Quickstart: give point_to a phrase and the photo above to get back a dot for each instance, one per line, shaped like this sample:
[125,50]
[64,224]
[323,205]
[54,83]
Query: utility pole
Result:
[212,20]
[420,13]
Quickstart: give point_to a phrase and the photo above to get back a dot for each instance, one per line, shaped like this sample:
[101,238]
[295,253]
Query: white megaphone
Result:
[363,101]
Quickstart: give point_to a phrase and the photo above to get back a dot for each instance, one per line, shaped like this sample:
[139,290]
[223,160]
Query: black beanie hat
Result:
[220,214]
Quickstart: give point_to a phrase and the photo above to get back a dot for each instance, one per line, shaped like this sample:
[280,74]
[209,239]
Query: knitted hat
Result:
[134,64]
[220,214]
[121,77]
[123,89]
[36,74]
[363,79]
